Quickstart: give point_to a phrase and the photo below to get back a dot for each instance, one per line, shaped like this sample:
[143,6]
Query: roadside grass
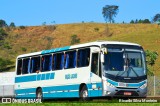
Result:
[85,104]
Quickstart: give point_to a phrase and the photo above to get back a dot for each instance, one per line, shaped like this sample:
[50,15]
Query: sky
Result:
[36,12]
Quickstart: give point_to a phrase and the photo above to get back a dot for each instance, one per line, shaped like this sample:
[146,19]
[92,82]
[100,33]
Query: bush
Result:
[74,40]
[151,57]
[23,49]
[7,46]
[96,29]
[2,34]
[4,63]
[51,27]
[22,27]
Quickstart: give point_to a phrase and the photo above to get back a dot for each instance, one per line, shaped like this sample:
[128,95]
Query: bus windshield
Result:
[124,63]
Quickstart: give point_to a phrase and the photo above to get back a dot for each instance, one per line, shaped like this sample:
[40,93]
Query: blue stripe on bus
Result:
[61,88]
[28,90]
[52,76]
[28,96]
[47,76]
[61,95]
[37,77]
[43,76]
[55,50]
[129,85]
[59,91]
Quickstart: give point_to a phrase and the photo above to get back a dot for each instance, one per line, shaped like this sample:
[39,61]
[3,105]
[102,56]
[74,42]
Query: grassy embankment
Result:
[37,38]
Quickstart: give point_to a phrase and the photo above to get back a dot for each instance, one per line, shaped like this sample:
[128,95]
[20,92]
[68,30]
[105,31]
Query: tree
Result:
[151,57]
[136,21]
[132,22]
[109,12]
[74,39]
[140,21]
[12,25]
[156,18]
[146,21]
[3,23]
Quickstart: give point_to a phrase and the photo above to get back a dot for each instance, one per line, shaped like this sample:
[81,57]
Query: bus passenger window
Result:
[59,61]
[54,58]
[94,65]
[46,63]
[70,59]
[19,67]
[35,64]
[26,66]
[83,57]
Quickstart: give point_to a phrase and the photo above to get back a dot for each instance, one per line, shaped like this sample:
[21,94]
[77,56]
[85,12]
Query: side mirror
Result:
[104,50]
[102,58]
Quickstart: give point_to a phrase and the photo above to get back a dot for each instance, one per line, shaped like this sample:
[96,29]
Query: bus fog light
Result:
[108,92]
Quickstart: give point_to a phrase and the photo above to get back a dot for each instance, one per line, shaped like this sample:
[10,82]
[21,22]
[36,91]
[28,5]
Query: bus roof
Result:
[97,43]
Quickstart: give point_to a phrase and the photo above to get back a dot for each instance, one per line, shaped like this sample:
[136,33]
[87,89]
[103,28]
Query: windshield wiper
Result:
[130,67]
[118,74]
[127,71]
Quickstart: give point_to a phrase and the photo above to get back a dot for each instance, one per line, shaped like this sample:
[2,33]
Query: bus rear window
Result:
[26,66]
[19,67]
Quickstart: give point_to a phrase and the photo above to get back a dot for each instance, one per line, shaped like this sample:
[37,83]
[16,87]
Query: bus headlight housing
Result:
[144,85]
[109,84]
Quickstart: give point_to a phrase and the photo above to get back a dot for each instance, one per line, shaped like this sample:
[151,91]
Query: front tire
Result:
[84,94]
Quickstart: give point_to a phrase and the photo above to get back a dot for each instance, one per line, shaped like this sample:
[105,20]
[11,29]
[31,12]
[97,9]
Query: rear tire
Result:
[39,94]
[84,94]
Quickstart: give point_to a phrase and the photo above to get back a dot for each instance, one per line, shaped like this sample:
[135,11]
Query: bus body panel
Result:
[65,83]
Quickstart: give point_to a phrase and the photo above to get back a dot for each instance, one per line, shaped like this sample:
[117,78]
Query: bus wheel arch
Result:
[83,92]
[39,94]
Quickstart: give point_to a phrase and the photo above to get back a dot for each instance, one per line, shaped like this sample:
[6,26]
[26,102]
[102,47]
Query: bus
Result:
[95,69]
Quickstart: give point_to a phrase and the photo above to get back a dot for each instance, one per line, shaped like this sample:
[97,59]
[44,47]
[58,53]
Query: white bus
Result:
[96,69]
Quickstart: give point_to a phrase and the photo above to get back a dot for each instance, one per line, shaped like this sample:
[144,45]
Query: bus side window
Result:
[54,58]
[46,63]
[83,57]
[70,59]
[26,66]
[19,67]
[94,65]
[58,60]
[35,64]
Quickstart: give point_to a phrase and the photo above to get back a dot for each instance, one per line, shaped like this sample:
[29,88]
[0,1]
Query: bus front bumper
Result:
[125,92]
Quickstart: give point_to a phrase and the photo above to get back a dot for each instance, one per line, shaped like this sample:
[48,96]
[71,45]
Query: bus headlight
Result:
[144,85]
[109,84]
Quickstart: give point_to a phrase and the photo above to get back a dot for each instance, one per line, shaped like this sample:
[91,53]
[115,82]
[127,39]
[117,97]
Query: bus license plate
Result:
[120,84]
[127,93]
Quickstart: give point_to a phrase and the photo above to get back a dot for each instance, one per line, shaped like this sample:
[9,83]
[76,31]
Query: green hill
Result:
[22,40]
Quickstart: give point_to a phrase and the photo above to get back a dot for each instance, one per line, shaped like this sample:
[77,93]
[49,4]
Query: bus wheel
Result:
[84,94]
[39,94]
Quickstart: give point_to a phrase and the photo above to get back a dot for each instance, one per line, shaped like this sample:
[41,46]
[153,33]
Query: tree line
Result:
[109,12]
[4,24]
